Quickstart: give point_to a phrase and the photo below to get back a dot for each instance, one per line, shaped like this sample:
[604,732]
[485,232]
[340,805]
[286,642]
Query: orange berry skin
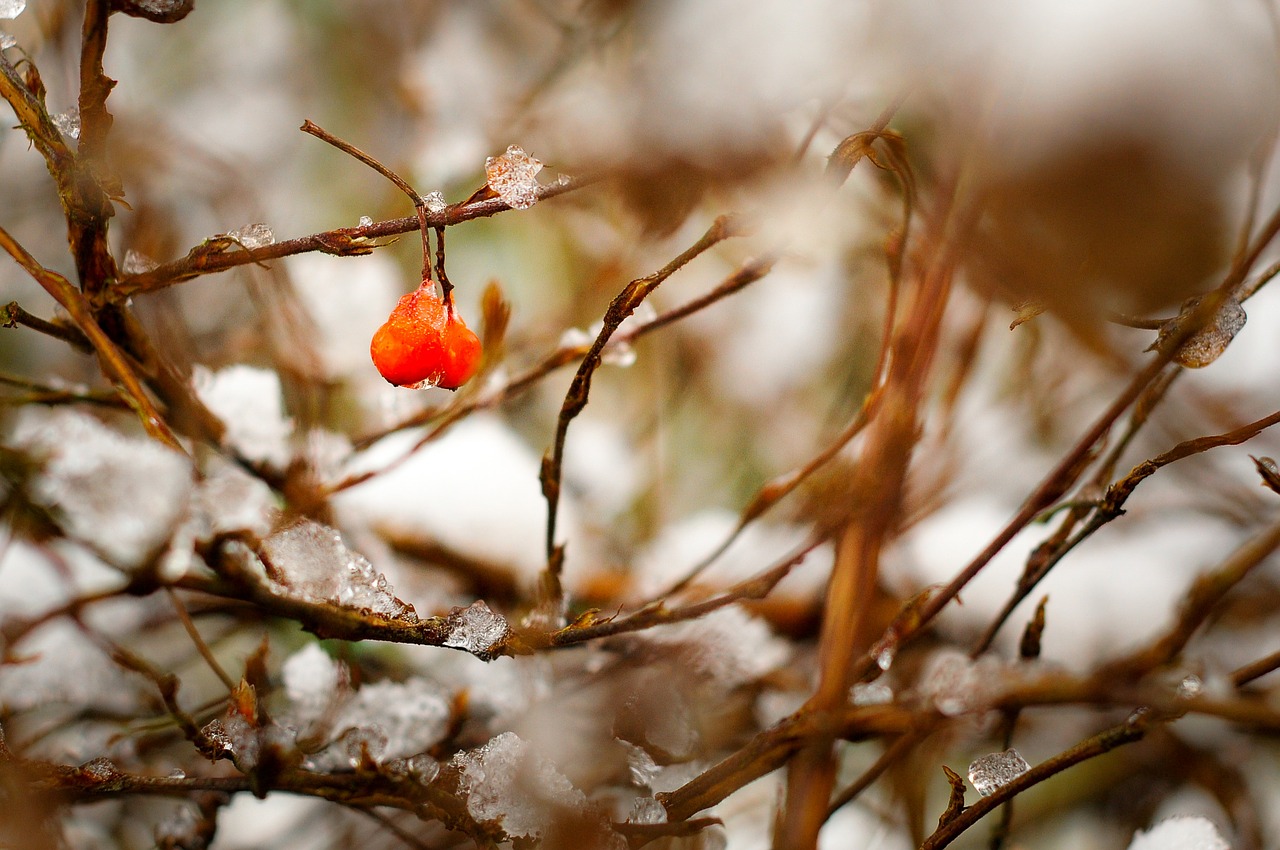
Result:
[424,344]
[462,353]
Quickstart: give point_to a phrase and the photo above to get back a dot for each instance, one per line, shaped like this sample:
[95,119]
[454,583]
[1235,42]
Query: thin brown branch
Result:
[622,306]
[201,646]
[343,241]
[12,315]
[114,362]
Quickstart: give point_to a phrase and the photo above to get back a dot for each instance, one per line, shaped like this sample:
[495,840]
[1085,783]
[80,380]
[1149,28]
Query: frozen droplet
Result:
[7,41]
[217,736]
[514,176]
[422,768]
[475,629]
[11,9]
[310,560]
[177,773]
[871,693]
[1180,832]
[253,236]
[647,810]
[101,771]
[990,772]
[435,202]
[312,681]
[68,123]
[950,682]
[1190,687]
[576,338]
[137,263]
[365,221]
[884,650]
[508,783]
[1207,344]
[85,469]
[618,353]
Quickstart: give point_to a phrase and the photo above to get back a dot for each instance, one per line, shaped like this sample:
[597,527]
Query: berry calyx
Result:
[425,343]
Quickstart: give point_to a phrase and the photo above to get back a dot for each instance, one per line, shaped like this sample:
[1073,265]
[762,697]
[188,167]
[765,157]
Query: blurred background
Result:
[1112,156]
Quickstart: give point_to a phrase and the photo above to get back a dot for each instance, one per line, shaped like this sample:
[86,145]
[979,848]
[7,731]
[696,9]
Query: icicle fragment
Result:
[513,176]
[989,773]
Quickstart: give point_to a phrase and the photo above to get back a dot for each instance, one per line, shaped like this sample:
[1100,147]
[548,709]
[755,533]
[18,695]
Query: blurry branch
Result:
[1199,603]
[622,306]
[46,394]
[114,362]
[208,258]
[1133,729]
[1247,673]
[12,315]
[655,613]
[1111,506]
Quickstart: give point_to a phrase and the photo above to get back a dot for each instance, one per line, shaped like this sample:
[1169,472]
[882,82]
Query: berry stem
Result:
[419,203]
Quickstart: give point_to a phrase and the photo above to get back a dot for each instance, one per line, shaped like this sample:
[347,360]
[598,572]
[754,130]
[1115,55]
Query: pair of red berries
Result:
[425,343]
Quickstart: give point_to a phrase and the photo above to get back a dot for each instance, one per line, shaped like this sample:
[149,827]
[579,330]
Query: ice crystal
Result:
[514,176]
[137,263]
[12,8]
[312,682]
[85,467]
[475,628]
[990,772]
[1190,687]
[396,719]
[7,41]
[365,221]
[647,810]
[871,693]
[310,560]
[253,236]
[506,782]
[68,123]
[435,202]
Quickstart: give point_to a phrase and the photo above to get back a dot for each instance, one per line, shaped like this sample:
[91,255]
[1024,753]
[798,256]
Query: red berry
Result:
[423,343]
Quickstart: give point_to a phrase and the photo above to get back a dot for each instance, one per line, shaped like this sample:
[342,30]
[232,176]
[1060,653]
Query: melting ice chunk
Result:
[871,693]
[310,559]
[1180,832]
[7,41]
[507,782]
[311,681]
[12,8]
[1207,344]
[647,810]
[253,236]
[475,628]
[365,221]
[85,467]
[435,202]
[990,772]
[514,176]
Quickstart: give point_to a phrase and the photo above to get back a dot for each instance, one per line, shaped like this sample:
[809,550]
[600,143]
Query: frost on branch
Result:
[253,236]
[514,177]
[122,497]
[507,783]
[310,560]
[991,772]
[383,721]
[475,629]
